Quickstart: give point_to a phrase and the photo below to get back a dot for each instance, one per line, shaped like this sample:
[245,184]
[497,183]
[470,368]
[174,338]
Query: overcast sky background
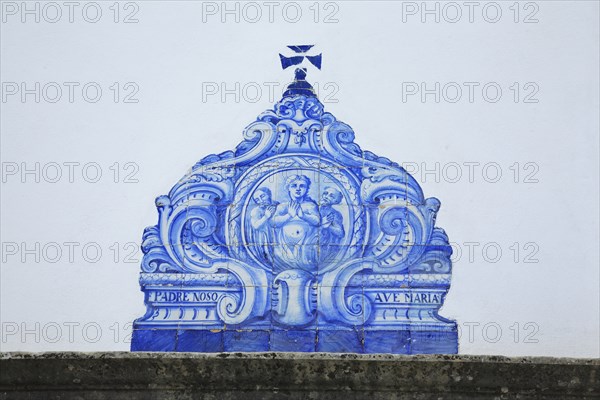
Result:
[541,134]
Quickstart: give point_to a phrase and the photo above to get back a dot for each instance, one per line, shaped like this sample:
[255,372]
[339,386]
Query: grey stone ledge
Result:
[123,375]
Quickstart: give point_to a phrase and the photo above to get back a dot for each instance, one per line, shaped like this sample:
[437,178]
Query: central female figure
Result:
[296,225]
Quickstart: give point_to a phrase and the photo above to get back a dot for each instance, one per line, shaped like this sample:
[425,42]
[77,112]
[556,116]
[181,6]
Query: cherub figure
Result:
[296,223]
[262,233]
[332,223]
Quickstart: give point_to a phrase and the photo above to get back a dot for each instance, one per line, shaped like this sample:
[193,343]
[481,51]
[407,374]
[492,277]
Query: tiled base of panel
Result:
[332,341]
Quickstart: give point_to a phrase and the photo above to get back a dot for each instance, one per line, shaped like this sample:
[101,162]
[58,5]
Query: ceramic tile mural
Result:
[297,240]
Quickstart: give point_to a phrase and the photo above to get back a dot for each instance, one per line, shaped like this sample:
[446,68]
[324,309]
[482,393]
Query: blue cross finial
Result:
[300,86]
[301,51]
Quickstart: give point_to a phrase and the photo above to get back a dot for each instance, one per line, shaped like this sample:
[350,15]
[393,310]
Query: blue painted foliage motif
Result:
[298,240]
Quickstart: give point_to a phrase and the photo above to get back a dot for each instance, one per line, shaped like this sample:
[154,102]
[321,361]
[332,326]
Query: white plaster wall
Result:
[549,306]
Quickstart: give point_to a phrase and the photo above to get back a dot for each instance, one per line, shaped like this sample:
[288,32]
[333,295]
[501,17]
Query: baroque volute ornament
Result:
[297,240]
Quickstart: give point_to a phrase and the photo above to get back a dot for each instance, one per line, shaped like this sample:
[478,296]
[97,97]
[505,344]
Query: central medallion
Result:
[302,215]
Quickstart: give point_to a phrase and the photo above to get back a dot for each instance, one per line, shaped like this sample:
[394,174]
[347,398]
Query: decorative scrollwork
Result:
[335,305]
[253,300]
[405,230]
[393,221]
[155,257]
[436,255]
[299,108]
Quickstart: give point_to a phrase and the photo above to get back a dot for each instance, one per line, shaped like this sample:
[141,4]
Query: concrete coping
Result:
[116,375]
